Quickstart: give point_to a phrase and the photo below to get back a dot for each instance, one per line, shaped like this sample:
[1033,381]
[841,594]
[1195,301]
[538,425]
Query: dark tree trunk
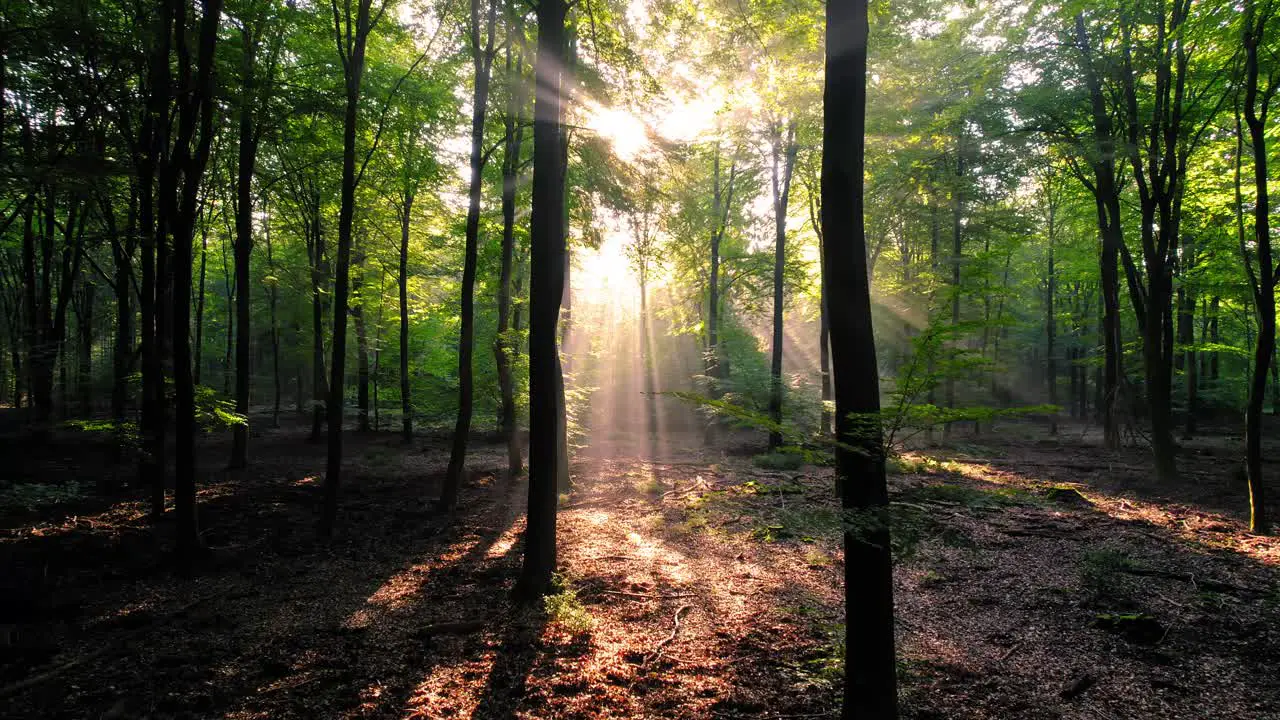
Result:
[870,691]
[504,347]
[243,247]
[1051,330]
[362,347]
[352,54]
[402,280]
[1214,337]
[122,352]
[547,253]
[957,254]
[1264,280]
[482,62]
[84,371]
[1107,205]
[188,161]
[198,352]
[272,298]
[319,286]
[784,159]
[229,287]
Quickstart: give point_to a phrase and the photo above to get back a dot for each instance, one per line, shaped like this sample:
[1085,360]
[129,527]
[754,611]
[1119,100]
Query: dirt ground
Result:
[1038,577]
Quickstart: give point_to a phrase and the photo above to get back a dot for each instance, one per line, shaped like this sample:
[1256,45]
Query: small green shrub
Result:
[566,610]
[1100,570]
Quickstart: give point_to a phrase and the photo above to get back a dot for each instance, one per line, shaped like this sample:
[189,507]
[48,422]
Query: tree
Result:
[1262,279]
[547,254]
[187,161]
[482,62]
[505,347]
[352,24]
[782,152]
[870,669]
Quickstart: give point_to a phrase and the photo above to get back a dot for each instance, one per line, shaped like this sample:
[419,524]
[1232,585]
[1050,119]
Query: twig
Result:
[642,596]
[675,628]
[1008,653]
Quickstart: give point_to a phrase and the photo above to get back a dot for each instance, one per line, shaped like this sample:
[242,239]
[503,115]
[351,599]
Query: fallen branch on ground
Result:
[642,596]
[675,628]
[452,628]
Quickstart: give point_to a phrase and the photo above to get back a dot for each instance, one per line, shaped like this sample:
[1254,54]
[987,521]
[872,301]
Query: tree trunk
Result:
[1264,281]
[482,61]
[122,352]
[84,371]
[181,209]
[504,347]
[402,280]
[784,158]
[870,691]
[273,291]
[547,253]
[1107,205]
[319,286]
[1214,337]
[1051,332]
[352,55]
[243,247]
[362,348]
[198,351]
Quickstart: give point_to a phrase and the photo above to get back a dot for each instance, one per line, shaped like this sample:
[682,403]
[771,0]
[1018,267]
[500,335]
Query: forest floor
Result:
[1038,577]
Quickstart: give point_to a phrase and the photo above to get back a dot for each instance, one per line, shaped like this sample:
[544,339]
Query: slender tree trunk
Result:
[482,60]
[182,209]
[243,247]
[957,255]
[1214,338]
[151,139]
[319,286]
[122,352]
[1051,332]
[198,350]
[648,367]
[504,346]
[362,347]
[228,348]
[84,372]
[273,291]
[402,279]
[870,691]
[1107,205]
[784,157]
[1264,281]
[352,55]
[546,227]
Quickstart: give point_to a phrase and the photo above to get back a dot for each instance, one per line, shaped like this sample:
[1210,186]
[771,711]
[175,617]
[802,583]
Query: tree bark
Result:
[504,346]
[547,253]
[1263,280]
[243,248]
[352,38]
[482,62]
[784,159]
[402,280]
[870,691]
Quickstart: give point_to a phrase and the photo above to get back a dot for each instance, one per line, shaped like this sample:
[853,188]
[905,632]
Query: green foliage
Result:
[37,496]
[565,609]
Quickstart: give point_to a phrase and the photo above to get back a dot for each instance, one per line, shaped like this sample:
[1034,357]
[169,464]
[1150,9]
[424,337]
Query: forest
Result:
[539,359]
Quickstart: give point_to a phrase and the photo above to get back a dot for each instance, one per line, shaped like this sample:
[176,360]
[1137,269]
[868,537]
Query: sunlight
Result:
[625,133]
